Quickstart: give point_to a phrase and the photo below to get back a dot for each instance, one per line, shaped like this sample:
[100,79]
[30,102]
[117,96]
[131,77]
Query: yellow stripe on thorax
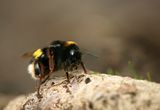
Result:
[70,43]
[37,53]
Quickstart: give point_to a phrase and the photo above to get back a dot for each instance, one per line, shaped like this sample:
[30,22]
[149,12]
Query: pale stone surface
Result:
[92,92]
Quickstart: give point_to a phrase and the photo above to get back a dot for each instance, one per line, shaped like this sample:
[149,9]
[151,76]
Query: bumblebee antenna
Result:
[85,51]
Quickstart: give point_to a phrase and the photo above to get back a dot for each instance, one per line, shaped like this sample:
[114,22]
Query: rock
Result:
[92,91]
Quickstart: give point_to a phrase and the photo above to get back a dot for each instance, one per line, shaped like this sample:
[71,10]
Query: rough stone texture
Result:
[92,92]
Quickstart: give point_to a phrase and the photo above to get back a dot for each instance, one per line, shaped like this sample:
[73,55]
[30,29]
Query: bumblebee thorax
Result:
[68,43]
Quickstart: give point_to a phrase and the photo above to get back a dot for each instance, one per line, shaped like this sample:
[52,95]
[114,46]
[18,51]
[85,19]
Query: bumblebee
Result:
[58,55]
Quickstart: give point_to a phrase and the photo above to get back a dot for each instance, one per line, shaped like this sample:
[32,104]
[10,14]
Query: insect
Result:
[58,55]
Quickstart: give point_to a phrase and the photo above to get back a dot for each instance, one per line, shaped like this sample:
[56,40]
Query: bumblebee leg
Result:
[44,80]
[67,75]
[51,63]
[38,88]
[41,74]
[85,71]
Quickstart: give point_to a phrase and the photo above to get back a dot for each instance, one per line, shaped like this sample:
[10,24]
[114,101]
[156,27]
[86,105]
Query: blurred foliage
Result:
[132,72]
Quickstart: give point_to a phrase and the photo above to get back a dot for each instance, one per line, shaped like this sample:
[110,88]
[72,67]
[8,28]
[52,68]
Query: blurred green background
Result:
[124,34]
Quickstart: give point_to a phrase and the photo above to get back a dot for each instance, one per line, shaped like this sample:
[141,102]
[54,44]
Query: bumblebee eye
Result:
[37,69]
[72,52]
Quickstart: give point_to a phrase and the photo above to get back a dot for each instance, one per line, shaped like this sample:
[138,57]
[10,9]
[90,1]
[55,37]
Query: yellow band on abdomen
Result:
[37,53]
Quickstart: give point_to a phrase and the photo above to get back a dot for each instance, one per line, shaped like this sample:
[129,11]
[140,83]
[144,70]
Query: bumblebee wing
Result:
[27,54]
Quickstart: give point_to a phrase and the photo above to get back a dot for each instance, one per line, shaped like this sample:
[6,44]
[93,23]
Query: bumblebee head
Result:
[72,53]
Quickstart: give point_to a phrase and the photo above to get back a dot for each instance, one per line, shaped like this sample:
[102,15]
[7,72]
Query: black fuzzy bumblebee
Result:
[58,55]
